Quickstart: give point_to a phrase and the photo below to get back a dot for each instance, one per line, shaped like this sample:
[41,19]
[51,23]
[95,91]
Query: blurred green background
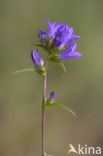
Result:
[81,88]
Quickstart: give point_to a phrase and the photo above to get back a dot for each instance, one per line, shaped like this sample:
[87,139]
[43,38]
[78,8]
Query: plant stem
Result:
[43,111]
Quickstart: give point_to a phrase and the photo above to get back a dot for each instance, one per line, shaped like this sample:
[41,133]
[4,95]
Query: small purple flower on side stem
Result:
[69,52]
[38,62]
[35,57]
[51,97]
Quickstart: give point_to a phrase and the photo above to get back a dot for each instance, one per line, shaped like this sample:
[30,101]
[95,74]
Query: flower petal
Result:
[65,51]
[70,32]
[69,52]
[55,27]
[35,57]
[74,46]
[77,54]
[56,23]
[49,30]
[75,37]
[51,97]
[41,34]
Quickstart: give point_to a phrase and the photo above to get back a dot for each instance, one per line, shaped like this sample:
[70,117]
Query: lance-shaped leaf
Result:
[23,70]
[53,103]
[37,70]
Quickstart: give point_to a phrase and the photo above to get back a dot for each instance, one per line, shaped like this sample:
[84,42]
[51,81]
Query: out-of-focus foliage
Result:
[80,88]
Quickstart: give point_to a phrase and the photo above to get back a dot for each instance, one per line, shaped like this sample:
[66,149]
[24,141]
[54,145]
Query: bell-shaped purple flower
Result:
[64,36]
[51,97]
[35,57]
[51,30]
[51,27]
[69,52]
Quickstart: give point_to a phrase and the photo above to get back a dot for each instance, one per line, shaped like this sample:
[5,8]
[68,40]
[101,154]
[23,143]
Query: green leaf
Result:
[23,70]
[61,106]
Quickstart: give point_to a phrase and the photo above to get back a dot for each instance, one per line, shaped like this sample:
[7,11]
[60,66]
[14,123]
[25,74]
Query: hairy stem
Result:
[43,111]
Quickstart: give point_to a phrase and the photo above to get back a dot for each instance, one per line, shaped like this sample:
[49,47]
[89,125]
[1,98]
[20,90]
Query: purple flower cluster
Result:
[61,37]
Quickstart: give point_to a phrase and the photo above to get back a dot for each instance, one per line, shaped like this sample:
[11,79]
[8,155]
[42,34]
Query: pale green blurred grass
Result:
[81,88]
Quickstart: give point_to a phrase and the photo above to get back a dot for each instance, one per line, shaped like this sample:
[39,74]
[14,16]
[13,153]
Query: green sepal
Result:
[49,49]
[63,66]
[48,104]
[40,71]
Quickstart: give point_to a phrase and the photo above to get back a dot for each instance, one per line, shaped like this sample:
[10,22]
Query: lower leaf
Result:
[23,70]
[61,106]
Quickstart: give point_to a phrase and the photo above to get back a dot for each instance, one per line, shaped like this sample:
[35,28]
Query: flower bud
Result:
[51,97]
[41,62]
